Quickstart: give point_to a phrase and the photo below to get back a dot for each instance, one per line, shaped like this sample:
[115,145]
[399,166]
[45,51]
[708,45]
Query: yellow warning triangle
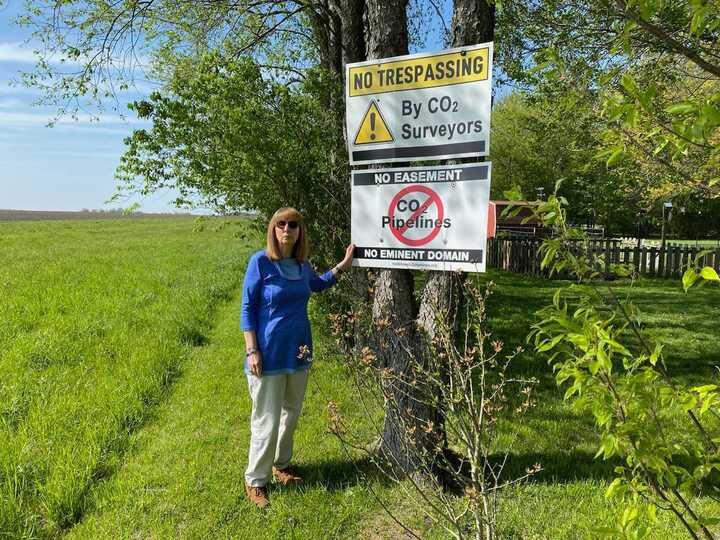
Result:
[373,128]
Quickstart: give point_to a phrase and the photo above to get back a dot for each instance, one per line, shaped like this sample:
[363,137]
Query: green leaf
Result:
[617,347]
[688,402]
[570,392]
[704,389]
[684,107]
[689,277]
[697,25]
[604,359]
[652,513]
[660,147]
[707,403]
[709,274]
[615,157]
[513,194]
[629,515]
[702,254]
[615,488]
[712,115]
[646,8]
[629,85]
[549,344]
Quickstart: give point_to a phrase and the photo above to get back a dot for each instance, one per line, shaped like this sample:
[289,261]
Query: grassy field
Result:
[94,215]
[696,243]
[125,409]
[97,319]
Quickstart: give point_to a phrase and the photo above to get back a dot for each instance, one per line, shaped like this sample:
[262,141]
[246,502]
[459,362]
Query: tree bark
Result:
[327,30]
[473,22]
[386,29]
[337,27]
[352,13]
[394,306]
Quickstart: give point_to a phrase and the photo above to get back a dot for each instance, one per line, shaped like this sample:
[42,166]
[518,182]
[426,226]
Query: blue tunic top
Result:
[274,304]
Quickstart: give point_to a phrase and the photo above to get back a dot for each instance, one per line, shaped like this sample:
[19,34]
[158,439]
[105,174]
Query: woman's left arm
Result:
[329,278]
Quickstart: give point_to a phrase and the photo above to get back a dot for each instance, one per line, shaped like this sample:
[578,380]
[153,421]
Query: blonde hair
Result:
[300,249]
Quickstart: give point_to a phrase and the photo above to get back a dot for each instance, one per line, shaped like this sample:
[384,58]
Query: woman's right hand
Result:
[254,361]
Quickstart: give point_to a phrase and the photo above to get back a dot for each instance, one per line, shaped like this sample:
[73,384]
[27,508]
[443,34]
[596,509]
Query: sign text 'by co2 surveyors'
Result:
[420,106]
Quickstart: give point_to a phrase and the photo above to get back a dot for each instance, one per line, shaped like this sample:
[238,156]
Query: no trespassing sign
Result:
[419,107]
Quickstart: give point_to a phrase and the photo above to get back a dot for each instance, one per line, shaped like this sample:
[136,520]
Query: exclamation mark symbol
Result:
[372,126]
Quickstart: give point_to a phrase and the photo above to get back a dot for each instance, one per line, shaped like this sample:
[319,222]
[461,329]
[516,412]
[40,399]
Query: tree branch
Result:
[667,39]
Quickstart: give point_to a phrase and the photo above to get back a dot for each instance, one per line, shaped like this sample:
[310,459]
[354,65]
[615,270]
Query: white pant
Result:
[277,401]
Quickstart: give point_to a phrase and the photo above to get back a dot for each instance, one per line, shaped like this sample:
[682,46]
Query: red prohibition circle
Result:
[433,198]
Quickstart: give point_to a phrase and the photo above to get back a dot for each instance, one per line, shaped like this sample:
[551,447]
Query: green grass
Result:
[98,318]
[566,499]
[124,403]
[696,243]
[184,474]
[124,410]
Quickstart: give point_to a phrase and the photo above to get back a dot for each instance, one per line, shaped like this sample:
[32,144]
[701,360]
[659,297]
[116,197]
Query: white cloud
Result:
[140,90]
[13,52]
[12,103]
[25,53]
[21,119]
[6,89]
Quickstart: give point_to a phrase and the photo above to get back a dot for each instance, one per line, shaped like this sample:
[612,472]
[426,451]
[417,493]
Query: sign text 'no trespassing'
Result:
[420,106]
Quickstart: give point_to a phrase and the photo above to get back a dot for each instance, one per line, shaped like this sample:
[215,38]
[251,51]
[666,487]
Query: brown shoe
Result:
[257,495]
[286,476]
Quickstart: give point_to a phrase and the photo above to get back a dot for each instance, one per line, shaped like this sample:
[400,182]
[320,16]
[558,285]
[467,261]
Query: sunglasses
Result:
[280,224]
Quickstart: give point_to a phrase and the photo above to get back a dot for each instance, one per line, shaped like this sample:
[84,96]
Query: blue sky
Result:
[70,166]
[67,167]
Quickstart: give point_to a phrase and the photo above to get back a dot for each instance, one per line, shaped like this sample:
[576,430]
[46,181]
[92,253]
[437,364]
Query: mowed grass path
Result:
[97,319]
[183,477]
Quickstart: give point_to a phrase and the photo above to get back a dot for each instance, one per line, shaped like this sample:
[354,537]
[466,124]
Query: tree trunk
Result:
[327,31]
[473,22]
[386,29]
[394,307]
[401,329]
[352,14]
[337,27]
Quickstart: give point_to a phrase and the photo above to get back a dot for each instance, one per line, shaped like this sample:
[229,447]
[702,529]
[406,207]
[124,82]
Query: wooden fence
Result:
[522,255]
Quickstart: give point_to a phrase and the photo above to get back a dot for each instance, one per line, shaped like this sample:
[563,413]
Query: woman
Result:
[274,319]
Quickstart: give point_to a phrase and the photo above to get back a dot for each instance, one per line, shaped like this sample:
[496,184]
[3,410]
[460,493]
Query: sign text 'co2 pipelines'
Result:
[429,218]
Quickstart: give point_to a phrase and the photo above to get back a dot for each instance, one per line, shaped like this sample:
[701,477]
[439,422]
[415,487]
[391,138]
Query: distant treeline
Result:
[42,215]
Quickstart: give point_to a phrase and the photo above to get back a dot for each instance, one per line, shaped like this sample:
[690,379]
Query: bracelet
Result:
[250,351]
[339,270]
